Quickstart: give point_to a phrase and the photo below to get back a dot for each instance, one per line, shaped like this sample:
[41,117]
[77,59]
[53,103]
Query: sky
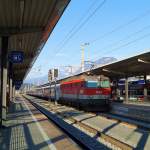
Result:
[113,28]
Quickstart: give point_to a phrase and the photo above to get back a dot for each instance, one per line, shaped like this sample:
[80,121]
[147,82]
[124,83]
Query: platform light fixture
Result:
[112,71]
[143,61]
[106,70]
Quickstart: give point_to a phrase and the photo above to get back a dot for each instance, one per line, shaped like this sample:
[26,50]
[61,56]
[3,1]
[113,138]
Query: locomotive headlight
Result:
[81,91]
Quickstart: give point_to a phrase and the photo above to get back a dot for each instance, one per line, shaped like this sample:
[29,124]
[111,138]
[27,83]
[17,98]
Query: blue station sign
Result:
[18,84]
[16,56]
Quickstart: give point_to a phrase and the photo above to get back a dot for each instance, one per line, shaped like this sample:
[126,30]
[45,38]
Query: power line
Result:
[121,26]
[108,33]
[78,22]
[128,43]
[73,32]
[81,25]
[127,37]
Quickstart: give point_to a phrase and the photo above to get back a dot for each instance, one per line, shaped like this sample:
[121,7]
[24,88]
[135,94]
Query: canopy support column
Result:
[13,95]
[118,90]
[4,61]
[10,82]
[145,88]
[126,90]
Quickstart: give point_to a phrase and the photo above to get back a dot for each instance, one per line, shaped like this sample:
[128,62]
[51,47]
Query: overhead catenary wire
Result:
[76,25]
[126,44]
[110,32]
[127,37]
[120,26]
[123,39]
[81,26]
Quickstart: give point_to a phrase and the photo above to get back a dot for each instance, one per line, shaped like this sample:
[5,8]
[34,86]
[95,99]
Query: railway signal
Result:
[55,73]
[52,75]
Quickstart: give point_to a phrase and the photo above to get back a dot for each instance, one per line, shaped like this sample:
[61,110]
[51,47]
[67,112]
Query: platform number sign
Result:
[16,56]
[18,84]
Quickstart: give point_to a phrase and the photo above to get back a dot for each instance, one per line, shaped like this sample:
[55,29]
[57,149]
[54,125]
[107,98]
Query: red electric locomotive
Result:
[86,94]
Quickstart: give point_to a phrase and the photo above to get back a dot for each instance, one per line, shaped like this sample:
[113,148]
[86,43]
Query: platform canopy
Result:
[134,66]
[28,24]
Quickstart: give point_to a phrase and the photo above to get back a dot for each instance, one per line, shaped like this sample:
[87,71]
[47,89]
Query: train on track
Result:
[85,94]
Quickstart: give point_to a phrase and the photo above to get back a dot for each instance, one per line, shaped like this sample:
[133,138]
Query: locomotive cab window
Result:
[104,84]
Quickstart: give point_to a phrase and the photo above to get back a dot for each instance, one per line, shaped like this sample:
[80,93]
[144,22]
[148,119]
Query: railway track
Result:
[88,129]
[127,120]
[110,141]
[130,121]
[83,140]
[92,131]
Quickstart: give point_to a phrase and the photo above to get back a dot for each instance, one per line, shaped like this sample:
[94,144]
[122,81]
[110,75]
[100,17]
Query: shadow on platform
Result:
[21,133]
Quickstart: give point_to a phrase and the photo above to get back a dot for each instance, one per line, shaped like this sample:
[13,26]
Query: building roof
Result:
[133,66]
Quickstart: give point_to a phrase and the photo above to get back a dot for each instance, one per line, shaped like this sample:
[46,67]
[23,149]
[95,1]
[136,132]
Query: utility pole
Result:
[82,55]
[3,88]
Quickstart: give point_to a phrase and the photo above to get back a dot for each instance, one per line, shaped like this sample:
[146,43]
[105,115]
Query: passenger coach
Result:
[87,94]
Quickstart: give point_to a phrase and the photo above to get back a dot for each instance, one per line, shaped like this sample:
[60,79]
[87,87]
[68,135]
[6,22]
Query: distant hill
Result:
[105,60]
[64,72]
[38,80]
[97,63]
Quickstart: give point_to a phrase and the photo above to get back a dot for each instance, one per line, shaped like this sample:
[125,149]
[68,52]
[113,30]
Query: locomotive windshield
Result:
[98,84]
[104,84]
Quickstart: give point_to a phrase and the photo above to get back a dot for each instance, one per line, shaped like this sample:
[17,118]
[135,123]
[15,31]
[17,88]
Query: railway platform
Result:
[28,128]
[138,111]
